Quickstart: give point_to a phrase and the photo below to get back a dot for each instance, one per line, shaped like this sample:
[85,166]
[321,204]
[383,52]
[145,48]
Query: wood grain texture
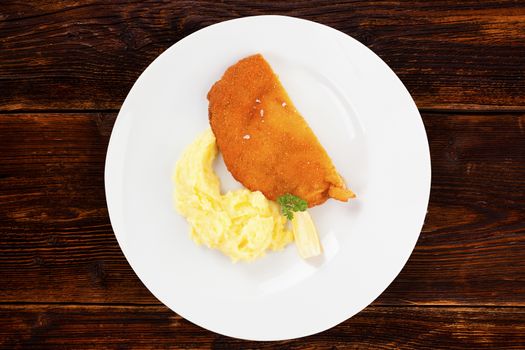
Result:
[112,327]
[474,233]
[87,54]
[57,244]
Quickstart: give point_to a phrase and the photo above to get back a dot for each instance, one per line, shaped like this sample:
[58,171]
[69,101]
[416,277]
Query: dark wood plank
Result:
[57,244]
[86,55]
[111,327]
[472,247]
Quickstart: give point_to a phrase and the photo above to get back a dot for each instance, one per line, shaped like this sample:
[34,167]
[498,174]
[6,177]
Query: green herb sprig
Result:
[290,203]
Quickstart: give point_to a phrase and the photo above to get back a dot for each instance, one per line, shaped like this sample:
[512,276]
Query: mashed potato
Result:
[241,224]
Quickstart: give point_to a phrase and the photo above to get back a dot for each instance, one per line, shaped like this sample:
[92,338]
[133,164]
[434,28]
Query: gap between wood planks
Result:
[146,305]
[459,110]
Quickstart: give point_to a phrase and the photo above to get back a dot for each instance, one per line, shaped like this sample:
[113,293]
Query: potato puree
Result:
[241,224]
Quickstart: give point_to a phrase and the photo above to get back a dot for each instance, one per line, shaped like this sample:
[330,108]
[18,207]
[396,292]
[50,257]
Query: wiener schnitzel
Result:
[266,144]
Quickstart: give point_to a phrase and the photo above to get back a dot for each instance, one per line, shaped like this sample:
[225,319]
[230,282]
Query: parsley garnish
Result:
[290,203]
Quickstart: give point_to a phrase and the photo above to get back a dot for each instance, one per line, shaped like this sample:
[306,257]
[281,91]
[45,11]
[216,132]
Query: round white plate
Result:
[363,116]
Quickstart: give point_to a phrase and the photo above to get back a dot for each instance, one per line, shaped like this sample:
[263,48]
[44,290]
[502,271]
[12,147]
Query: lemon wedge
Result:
[305,235]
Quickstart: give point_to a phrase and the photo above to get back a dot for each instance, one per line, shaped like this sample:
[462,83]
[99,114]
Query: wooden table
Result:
[66,67]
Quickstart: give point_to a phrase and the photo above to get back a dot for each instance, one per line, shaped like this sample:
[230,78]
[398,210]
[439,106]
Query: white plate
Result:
[364,117]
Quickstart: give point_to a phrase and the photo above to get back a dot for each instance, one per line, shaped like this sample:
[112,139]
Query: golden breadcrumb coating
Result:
[266,144]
